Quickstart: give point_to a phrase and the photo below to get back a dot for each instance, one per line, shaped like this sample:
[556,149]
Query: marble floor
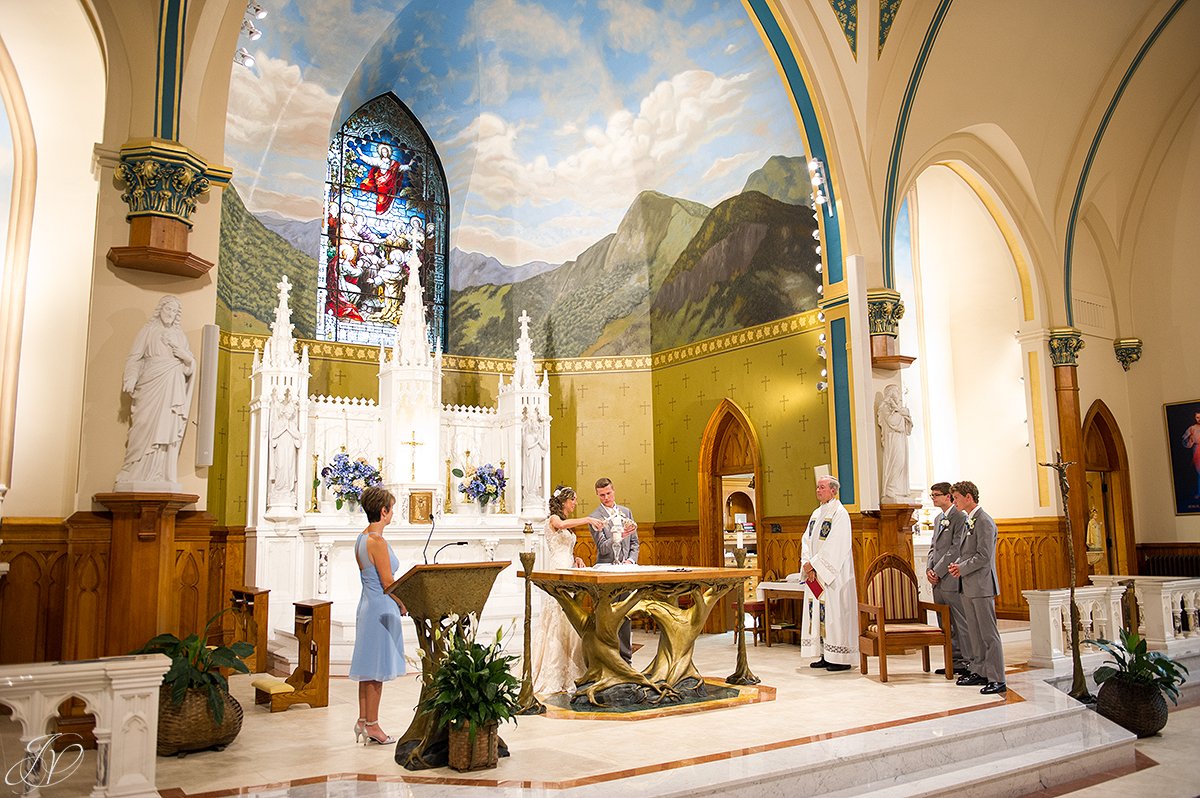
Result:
[307,753]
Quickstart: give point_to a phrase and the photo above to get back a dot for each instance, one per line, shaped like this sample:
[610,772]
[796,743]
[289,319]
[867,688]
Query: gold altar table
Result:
[656,590]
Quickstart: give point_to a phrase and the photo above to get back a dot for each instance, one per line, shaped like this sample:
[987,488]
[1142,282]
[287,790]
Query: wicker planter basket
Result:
[1140,708]
[189,726]
[482,755]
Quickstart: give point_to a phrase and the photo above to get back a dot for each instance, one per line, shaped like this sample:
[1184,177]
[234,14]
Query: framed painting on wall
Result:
[420,505]
[1183,441]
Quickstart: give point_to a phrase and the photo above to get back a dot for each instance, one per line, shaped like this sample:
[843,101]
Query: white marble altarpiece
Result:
[300,546]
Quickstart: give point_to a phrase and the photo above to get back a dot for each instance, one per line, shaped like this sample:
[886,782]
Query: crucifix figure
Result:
[1079,689]
[414,443]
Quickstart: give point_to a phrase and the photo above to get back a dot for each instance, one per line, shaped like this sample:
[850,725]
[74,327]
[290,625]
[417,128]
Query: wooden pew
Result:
[309,682]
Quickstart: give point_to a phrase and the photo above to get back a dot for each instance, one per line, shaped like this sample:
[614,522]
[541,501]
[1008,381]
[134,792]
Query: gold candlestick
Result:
[504,509]
[316,482]
[528,701]
[447,506]
[741,674]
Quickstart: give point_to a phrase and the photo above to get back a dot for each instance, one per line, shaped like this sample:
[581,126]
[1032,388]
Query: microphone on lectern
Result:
[429,537]
[453,543]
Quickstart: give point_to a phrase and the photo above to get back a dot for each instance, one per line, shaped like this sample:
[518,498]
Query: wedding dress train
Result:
[558,651]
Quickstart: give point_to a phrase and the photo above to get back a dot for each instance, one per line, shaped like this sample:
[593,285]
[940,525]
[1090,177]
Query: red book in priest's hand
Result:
[814,587]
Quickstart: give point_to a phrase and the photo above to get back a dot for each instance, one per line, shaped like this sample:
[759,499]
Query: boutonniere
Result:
[945,523]
[970,525]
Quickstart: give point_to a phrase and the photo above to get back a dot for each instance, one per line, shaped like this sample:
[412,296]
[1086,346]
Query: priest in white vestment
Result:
[829,624]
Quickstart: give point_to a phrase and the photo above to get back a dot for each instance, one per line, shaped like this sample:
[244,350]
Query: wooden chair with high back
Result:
[892,617]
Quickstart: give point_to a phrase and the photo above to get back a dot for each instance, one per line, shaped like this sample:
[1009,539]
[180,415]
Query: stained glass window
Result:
[386,212]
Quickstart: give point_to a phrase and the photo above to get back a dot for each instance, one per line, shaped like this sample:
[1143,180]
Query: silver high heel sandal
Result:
[389,740]
[360,731]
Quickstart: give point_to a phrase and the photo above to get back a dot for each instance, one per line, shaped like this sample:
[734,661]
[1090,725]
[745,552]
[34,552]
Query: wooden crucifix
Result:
[414,443]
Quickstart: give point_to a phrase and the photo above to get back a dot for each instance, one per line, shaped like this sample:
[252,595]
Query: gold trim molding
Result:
[331,350]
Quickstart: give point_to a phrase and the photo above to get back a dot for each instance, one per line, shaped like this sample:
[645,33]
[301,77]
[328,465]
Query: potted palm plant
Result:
[474,690]
[195,709]
[1135,683]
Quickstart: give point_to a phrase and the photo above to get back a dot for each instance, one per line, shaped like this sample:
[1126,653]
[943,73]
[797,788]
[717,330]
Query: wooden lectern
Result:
[439,598]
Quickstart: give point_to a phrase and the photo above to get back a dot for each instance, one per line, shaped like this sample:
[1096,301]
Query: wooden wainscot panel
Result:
[33,594]
[674,543]
[1031,554]
[1169,559]
[226,571]
[189,591]
[779,552]
[85,618]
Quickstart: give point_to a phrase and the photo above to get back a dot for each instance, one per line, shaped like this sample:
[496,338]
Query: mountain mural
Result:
[251,260]
[674,272]
[783,178]
[473,268]
[303,235]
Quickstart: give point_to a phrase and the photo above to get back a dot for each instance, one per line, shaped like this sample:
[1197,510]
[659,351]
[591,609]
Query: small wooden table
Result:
[792,591]
[614,593]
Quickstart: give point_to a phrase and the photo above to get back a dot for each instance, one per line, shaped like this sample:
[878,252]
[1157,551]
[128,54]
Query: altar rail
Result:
[122,694]
[1168,607]
[1050,620]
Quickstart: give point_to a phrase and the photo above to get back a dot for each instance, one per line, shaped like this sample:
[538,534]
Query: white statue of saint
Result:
[285,448]
[159,376]
[895,425]
[535,446]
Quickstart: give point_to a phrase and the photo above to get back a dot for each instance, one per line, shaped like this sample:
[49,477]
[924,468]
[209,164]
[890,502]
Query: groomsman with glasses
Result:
[948,530]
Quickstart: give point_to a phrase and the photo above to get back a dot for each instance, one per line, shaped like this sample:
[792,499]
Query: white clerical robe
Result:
[829,625]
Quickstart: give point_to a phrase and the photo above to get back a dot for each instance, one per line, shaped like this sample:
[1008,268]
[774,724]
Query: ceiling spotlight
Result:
[816,234]
[248,28]
[818,249]
[819,267]
[821,316]
[821,352]
[821,337]
[822,386]
[243,57]
[255,10]
[824,373]
[820,290]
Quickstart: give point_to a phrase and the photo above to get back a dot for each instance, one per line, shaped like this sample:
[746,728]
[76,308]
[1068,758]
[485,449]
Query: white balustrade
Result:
[1050,620]
[122,694]
[1168,606]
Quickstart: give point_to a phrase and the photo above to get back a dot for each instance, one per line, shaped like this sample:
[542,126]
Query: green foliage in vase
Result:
[195,665]
[1133,662]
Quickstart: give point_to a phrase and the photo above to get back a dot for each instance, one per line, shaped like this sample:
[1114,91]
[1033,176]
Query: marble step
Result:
[1020,771]
[997,751]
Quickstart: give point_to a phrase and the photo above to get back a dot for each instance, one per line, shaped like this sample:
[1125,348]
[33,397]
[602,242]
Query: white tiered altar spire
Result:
[302,548]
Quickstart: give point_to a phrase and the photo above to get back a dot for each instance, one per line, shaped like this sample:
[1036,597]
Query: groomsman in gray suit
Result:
[948,529]
[976,570]
[616,542]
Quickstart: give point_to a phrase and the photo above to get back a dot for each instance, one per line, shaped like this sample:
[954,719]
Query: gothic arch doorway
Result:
[728,447]
[1111,546]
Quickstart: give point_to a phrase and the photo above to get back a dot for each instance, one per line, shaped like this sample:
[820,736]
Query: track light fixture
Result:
[820,181]
[253,33]
[243,57]
[255,10]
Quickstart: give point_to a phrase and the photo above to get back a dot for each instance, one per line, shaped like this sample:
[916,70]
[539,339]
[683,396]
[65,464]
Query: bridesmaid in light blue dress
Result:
[378,638]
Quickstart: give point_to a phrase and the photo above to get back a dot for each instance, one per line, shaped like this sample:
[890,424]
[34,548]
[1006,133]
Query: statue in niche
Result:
[895,425]
[535,446]
[159,376]
[285,448]
[1095,531]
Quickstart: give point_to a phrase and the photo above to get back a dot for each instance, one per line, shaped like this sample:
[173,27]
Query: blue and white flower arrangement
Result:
[348,478]
[482,484]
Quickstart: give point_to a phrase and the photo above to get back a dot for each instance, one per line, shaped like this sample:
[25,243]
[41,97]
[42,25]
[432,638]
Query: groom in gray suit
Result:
[976,570]
[618,525]
[948,529]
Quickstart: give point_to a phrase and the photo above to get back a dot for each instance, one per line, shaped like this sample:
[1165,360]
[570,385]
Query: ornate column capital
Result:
[164,178]
[885,308]
[1128,351]
[1065,343]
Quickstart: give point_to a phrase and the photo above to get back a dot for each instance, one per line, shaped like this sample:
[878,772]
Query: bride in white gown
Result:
[558,651]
